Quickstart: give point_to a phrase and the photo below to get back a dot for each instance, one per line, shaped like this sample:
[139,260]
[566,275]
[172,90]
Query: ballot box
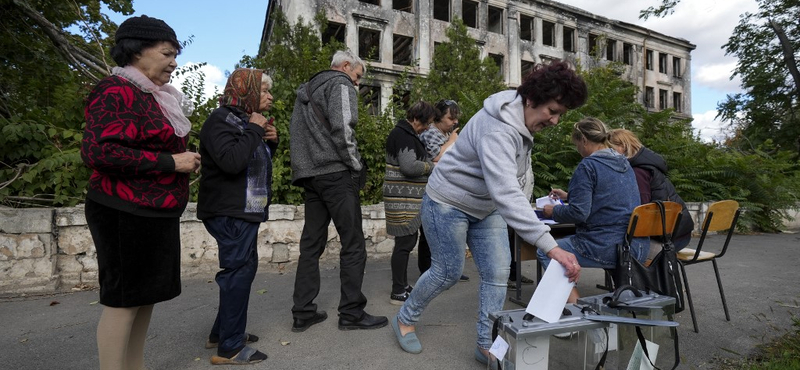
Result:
[622,336]
[534,346]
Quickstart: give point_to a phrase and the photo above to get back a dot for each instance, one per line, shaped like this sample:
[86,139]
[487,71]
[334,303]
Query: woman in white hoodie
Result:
[479,189]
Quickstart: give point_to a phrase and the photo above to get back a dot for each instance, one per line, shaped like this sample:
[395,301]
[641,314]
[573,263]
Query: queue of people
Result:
[464,189]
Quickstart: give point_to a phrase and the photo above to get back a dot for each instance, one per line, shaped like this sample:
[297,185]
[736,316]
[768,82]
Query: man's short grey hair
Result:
[342,56]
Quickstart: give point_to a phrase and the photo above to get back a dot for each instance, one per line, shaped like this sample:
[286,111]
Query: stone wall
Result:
[51,249]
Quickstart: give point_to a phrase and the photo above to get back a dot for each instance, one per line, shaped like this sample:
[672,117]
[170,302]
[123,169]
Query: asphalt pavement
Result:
[57,331]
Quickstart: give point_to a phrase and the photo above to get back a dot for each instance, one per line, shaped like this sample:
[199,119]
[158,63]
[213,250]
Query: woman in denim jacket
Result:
[602,195]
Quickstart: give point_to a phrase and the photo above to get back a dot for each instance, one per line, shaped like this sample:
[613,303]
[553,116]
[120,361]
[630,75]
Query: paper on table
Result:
[543,201]
[551,294]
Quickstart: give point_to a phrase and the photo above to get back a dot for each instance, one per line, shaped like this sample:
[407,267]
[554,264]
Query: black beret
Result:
[145,28]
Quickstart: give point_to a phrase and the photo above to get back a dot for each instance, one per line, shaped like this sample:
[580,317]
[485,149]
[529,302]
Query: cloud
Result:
[214,79]
[717,77]
[708,128]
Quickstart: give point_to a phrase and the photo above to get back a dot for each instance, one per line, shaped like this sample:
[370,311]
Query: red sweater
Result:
[129,143]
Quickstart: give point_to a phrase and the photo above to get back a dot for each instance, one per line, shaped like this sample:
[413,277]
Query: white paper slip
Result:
[551,294]
[543,201]
[638,359]
[499,347]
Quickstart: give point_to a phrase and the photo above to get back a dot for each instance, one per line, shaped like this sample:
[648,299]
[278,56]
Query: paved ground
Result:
[760,274]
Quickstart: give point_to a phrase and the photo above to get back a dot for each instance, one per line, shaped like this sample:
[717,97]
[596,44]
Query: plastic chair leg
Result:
[689,296]
[721,292]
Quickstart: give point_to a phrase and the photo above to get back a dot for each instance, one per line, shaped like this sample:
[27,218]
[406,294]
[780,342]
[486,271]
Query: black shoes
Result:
[366,322]
[300,325]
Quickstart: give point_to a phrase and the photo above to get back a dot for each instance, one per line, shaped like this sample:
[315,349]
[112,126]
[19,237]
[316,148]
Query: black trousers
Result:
[238,259]
[329,197]
[403,245]
[424,253]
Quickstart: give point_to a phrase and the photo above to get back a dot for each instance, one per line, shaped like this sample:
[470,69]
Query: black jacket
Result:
[662,189]
[236,171]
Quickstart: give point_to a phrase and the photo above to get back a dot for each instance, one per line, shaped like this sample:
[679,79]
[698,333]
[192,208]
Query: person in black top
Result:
[651,176]
[237,145]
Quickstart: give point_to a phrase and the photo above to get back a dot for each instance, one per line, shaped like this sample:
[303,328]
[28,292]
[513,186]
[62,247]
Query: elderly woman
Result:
[477,188]
[651,177]
[237,144]
[135,142]
[602,195]
[407,170]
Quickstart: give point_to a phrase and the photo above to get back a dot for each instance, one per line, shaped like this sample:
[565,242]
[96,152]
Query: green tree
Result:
[764,43]
[293,55]
[47,72]
[458,73]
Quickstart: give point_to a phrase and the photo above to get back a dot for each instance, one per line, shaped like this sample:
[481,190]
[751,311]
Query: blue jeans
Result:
[605,258]
[449,231]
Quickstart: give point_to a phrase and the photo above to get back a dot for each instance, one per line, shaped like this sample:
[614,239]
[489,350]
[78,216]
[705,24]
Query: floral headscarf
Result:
[243,90]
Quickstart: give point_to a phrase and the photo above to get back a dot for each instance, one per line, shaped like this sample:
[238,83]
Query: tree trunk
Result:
[788,54]
[87,63]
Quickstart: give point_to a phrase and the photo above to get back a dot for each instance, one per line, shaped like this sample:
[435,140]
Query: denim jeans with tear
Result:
[449,231]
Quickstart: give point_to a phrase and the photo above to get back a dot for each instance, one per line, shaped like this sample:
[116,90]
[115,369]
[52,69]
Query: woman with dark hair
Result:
[407,170]
[135,143]
[602,195]
[237,144]
[478,188]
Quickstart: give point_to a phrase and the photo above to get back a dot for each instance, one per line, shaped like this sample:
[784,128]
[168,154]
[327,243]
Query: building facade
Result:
[393,35]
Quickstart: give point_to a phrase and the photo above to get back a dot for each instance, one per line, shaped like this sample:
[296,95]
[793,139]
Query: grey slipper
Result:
[409,342]
[246,356]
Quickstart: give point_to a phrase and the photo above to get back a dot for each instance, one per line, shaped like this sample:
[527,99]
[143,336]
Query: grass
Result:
[782,353]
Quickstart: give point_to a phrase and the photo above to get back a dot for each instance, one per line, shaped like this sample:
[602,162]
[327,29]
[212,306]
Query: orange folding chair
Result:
[721,216]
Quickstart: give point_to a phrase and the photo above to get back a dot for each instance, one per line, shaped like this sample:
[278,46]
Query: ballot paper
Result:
[551,294]
[543,201]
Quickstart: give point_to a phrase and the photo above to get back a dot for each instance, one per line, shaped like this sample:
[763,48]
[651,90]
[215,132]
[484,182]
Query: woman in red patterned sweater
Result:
[135,141]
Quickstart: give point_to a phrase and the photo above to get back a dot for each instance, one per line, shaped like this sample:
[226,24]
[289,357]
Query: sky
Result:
[223,32]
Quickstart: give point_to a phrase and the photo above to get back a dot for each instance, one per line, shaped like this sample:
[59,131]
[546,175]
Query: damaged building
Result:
[393,35]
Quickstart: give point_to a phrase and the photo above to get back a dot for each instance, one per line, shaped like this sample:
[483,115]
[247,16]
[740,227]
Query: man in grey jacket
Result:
[326,163]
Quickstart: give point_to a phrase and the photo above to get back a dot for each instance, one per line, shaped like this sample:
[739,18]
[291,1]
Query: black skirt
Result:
[138,258]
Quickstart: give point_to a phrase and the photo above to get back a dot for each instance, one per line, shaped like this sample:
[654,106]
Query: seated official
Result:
[602,195]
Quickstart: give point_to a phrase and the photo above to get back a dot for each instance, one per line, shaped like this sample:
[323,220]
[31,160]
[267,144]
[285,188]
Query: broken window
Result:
[403,5]
[441,10]
[569,39]
[371,97]
[627,53]
[649,97]
[611,49]
[526,30]
[469,10]
[369,44]
[495,20]
[498,60]
[402,99]
[403,50]
[649,60]
[335,31]
[526,68]
[676,66]
[677,102]
[662,99]
[594,45]
[662,62]
[374,2]
[548,33]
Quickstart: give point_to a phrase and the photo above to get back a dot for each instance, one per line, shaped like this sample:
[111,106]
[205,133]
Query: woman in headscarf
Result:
[135,143]
[237,144]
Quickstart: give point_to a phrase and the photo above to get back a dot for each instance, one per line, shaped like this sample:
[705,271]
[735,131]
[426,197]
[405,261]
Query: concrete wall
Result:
[51,249]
